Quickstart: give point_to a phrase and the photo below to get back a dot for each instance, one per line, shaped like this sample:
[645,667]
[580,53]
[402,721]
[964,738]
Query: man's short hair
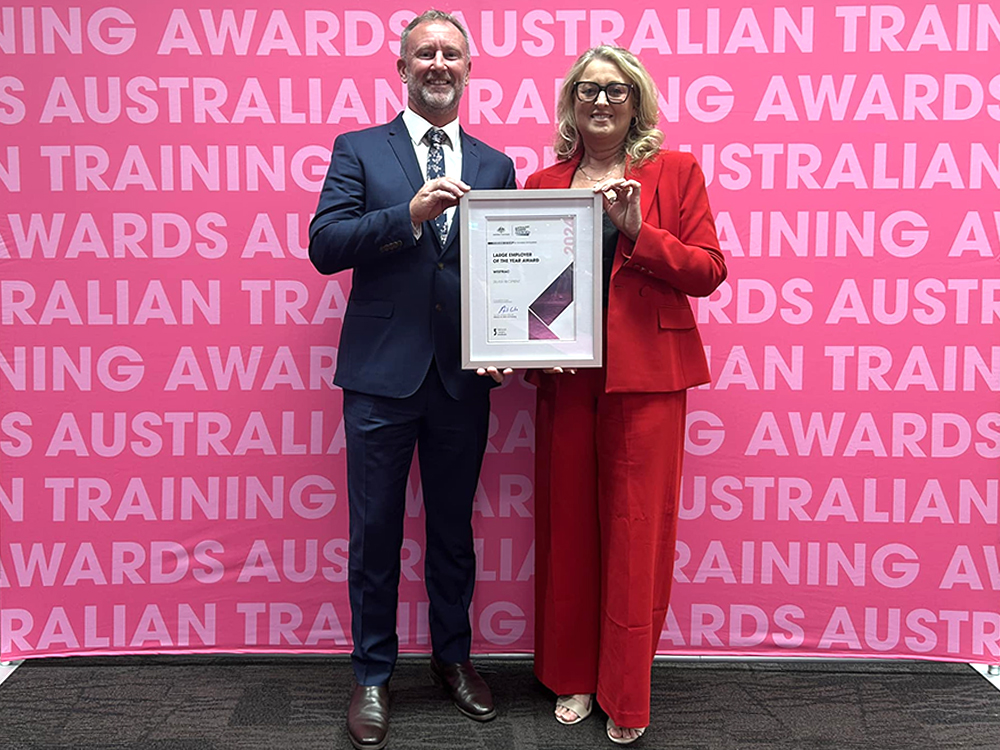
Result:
[426,17]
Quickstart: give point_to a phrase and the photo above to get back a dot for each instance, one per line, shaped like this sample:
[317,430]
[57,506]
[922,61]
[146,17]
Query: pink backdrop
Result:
[171,451]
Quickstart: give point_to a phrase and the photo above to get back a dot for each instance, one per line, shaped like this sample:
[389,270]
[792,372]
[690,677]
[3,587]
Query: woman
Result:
[610,440]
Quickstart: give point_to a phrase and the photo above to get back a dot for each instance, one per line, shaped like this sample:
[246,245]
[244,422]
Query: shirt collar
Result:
[417,127]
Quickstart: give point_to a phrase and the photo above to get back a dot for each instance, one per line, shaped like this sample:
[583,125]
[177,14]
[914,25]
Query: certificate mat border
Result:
[519,354]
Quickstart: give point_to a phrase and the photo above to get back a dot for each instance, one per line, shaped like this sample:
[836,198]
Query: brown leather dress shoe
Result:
[368,717]
[467,689]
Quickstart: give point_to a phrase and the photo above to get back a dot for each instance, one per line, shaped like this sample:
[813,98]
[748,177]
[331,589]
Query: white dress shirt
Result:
[417,127]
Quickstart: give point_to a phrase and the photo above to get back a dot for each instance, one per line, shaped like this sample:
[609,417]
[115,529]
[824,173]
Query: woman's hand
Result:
[559,370]
[495,373]
[621,203]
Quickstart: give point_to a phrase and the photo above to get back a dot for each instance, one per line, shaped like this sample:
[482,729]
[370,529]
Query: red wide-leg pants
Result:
[607,478]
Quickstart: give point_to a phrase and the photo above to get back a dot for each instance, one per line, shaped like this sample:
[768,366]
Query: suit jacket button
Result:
[439,307]
[440,266]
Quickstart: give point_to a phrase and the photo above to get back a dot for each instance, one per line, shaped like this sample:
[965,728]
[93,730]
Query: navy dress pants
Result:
[450,439]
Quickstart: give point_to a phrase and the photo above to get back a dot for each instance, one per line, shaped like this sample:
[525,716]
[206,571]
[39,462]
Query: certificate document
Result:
[531,278]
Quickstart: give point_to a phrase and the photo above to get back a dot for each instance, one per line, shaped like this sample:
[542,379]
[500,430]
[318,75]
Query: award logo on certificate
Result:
[531,278]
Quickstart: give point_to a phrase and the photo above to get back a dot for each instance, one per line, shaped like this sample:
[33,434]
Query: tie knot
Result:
[437,136]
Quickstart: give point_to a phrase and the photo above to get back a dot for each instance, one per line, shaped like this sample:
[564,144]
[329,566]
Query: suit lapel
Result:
[470,159]
[648,176]
[470,173]
[560,176]
[402,146]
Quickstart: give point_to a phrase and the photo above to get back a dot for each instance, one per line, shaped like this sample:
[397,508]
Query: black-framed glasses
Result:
[616,91]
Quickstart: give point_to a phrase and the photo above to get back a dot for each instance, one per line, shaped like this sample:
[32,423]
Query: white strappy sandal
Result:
[623,740]
[581,709]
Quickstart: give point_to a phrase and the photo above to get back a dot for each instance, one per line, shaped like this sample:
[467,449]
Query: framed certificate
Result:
[531,278]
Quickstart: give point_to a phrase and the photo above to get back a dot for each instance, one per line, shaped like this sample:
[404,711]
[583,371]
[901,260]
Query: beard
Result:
[434,98]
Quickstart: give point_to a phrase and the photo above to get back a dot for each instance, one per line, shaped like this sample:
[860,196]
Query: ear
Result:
[468,69]
[401,67]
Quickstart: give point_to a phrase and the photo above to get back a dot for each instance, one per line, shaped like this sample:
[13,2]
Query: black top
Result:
[609,243]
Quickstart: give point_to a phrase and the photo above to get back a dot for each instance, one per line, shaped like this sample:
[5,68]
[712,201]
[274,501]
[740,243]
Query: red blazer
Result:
[652,341]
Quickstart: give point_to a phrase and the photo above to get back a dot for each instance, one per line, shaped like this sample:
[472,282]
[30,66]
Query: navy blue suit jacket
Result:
[405,303]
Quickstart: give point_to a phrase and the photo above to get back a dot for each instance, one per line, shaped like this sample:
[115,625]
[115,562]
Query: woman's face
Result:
[601,123]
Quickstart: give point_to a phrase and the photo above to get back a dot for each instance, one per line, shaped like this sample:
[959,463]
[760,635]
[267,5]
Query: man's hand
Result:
[494,373]
[434,197]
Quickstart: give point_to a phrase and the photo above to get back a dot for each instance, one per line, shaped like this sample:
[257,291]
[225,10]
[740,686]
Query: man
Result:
[387,211]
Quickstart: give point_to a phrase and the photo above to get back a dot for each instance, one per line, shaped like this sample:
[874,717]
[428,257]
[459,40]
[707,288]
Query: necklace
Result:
[604,176]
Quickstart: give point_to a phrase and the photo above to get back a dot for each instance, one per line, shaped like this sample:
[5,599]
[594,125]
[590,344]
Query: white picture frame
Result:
[531,275]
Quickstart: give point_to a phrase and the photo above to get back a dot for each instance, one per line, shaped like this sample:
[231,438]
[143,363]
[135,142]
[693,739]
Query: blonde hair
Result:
[643,139]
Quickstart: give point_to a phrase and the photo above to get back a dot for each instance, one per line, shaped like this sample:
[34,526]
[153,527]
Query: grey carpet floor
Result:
[245,703]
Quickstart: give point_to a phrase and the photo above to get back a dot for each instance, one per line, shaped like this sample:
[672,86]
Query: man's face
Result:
[434,68]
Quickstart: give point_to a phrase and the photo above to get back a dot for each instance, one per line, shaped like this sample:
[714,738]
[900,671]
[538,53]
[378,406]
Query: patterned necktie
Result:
[435,169]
